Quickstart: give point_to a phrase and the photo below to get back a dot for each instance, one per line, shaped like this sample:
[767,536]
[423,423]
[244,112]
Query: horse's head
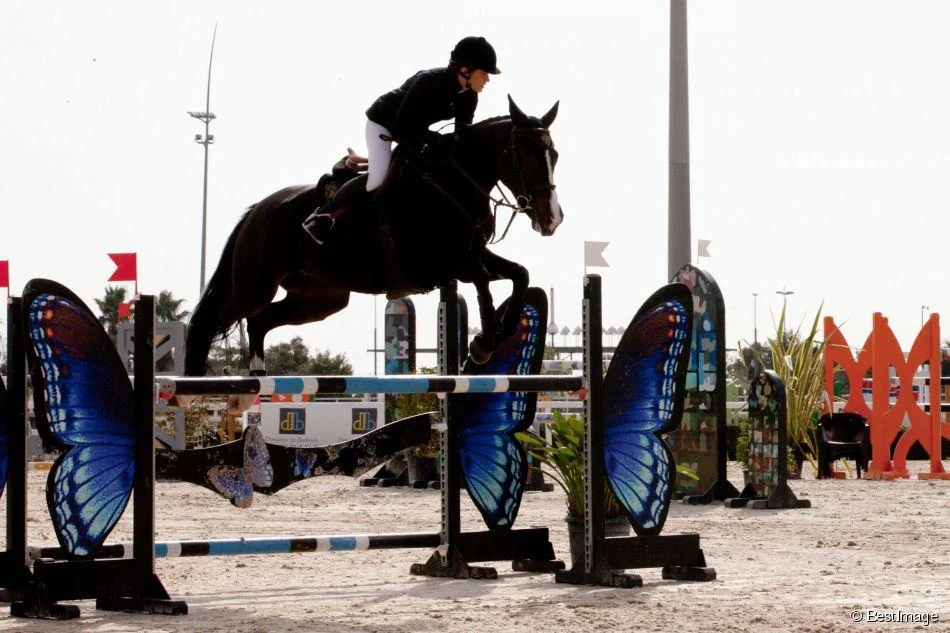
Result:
[527,168]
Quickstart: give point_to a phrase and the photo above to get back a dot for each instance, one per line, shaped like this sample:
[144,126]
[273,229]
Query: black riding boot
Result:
[319,224]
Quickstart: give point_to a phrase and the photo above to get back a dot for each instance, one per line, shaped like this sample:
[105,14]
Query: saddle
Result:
[344,189]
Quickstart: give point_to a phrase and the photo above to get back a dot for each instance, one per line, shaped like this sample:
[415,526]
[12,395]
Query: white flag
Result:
[594,254]
[703,249]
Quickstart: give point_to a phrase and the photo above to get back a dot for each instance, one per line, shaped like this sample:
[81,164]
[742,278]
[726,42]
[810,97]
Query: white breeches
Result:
[380,154]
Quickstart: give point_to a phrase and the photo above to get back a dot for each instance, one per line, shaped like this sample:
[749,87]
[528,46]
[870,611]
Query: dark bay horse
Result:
[430,224]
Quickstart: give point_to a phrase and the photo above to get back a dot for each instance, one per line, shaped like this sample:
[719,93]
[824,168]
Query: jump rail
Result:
[337,385]
[254,545]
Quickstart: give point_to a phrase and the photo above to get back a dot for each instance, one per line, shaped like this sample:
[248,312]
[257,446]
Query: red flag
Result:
[125,309]
[5,274]
[125,267]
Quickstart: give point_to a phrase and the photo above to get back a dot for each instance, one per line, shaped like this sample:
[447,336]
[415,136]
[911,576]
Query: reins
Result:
[522,202]
[516,208]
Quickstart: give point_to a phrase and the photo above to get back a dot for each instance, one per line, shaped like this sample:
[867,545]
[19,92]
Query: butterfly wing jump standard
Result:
[84,406]
[493,463]
[642,399]
[4,437]
[481,452]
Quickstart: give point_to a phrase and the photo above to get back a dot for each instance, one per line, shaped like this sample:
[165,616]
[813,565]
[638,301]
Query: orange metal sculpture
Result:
[880,352]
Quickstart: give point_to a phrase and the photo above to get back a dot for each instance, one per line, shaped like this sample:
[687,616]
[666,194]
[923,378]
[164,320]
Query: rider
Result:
[405,114]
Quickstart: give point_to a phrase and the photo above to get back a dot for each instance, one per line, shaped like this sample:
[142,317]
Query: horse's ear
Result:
[519,118]
[548,118]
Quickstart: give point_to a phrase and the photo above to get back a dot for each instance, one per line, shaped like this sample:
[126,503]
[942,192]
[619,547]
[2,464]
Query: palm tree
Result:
[166,307]
[109,307]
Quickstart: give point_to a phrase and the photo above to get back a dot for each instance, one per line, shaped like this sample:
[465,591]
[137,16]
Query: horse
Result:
[429,224]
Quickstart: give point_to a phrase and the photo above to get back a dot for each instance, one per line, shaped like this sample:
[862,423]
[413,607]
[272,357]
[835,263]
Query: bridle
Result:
[522,203]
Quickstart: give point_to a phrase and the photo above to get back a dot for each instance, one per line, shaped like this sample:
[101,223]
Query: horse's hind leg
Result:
[303,304]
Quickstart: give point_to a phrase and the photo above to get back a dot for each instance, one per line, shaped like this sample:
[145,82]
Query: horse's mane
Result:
[494,119]
[505,118]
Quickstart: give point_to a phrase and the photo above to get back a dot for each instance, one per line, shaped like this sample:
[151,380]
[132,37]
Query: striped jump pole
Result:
[337,385]
[251,546]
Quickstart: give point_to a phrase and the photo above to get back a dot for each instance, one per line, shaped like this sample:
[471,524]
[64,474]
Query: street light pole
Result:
[207,116]
[678,208]
[755,317]
[784,294]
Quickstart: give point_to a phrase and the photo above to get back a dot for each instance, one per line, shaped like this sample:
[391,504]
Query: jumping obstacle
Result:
[768,449]
[604,559]
[880,352]
[130,584]
[700,441]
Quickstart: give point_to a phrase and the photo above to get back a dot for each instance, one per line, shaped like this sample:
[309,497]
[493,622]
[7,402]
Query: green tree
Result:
[738,365]
[229,355]
[199,429]
[109,307]
[294,359]
[288,359]
[167,307]
[323,364]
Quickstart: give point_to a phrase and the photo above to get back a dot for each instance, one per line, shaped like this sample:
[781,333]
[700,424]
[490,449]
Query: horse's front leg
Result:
[491,267]
[483,344]
[501,268]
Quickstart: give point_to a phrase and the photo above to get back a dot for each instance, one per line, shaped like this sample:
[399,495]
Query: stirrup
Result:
[318,226]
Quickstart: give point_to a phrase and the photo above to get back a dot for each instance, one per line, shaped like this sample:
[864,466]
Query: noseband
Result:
[538,136]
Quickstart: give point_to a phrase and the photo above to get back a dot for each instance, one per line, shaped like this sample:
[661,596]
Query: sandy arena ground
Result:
[863,545]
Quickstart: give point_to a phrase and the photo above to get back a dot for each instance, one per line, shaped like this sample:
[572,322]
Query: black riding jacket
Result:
[426,97]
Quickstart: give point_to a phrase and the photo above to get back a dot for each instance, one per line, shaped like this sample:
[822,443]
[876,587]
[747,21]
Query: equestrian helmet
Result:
[475,53]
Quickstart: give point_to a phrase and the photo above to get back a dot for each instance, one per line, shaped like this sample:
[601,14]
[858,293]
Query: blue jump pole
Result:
[249,546]
[306,385]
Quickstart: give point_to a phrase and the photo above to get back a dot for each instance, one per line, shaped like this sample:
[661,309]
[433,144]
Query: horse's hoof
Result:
[257,372]
[478,355]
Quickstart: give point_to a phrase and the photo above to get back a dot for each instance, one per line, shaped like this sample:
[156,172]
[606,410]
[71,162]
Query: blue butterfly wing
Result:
[257,464]
[237,483]
[304,461]
[232,483]
[84,406]
[4,437]
[643,392]
[492,462]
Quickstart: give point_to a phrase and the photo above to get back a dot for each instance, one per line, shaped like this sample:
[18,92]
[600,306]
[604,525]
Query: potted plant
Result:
[799,362]
[421,461]
[742,447]
[563,460]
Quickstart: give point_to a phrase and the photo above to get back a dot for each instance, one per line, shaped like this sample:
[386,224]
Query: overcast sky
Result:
[818,136]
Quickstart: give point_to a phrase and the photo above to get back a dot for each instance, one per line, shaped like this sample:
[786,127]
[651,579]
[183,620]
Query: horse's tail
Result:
[209,320]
